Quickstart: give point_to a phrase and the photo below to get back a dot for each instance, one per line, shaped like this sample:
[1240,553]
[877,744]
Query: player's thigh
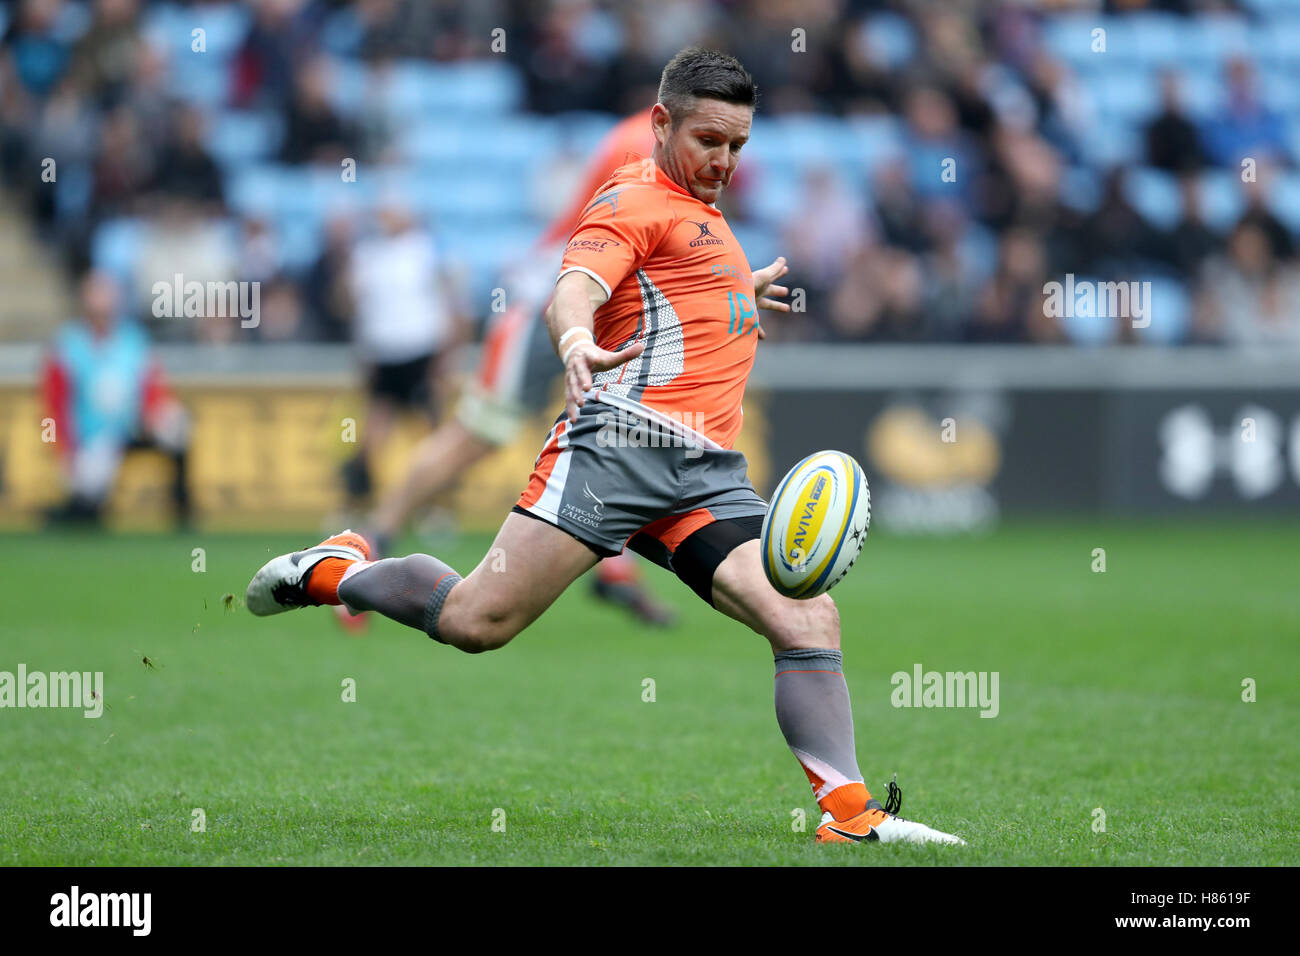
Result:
[528,566]
[741,591]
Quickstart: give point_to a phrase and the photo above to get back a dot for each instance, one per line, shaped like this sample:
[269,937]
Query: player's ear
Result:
[660,122]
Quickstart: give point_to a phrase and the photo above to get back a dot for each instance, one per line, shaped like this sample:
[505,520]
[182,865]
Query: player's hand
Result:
[764,289]
[586,358]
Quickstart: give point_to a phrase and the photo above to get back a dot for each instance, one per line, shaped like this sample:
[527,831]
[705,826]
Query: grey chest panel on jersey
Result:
[665,346]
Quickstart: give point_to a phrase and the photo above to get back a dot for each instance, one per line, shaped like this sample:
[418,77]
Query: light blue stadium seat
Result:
[1284,199]
[116,246]
[349,87]
[486,142]
[1211,39]
[1170,311]
[864,142]
[1154,194]
[244,136]
[761,245]
[892,38]
[1279,88]
[776,193]
[583,130]
[487,86]
[202,82]
[225,26]
[1113,143]
[1086,326]
[1130,94]
[299,242]
[1221,198]
[1202,92]
[1279,39]
[1293,138]
[1152,39]
[254,188]
[474,194]
[1081,188]
[1069,37]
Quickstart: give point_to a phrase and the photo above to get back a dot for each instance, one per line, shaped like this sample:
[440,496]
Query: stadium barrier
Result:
[951,438]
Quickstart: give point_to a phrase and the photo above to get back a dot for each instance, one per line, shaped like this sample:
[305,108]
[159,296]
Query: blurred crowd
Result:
[900,253]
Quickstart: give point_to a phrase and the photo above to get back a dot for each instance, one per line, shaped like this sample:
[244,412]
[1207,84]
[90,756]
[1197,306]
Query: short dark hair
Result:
[695,73]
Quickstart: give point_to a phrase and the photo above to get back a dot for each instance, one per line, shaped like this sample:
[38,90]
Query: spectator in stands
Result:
[104,58]
[1249,297]
[328,298]
[185,170]
[313,132]
[1116,236]
[122,168]
[1010,308]
[1172,141]
[1191,242]
[107,396]
[1258,213]
[1245,127]
[830,231]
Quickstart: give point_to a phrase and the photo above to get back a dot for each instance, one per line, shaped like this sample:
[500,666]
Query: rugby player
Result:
[653,317]
[513,380]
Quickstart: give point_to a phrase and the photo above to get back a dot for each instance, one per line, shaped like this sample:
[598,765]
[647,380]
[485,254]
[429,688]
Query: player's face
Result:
[701,151]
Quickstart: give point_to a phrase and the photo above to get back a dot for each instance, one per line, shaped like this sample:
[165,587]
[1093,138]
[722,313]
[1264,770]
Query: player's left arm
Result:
[765,288]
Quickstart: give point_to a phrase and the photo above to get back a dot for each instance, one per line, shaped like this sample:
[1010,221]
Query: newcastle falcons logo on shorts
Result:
[582,516]
[599,506]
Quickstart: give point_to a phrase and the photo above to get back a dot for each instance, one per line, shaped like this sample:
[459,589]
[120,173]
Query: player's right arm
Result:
[570,319]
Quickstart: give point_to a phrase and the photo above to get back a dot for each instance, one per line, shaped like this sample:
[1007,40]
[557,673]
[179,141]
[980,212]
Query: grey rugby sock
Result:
[813,709]
[410,590]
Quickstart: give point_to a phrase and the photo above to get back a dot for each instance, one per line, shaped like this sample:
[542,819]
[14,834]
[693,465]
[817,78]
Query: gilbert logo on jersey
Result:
[705,238]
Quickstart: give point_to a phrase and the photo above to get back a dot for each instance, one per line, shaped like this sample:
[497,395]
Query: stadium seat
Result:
[1213,38]
[1070,37]
[485,142]
[1171,312]
[1221,198]
[1153,40]
[1080,188]
[225,25]
[1284,200]
[864,142]
[891,38]
[1129,94]
[1154,194]
[254,188]
[236,137]
[1113,143]
[115,247]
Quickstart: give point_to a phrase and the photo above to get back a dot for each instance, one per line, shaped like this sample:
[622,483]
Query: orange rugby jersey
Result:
[630,139]
[679,281]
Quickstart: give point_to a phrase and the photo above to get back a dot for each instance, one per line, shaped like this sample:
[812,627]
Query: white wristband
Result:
[564,357]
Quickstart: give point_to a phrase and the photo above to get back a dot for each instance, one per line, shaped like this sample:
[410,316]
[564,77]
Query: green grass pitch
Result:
[1119,690]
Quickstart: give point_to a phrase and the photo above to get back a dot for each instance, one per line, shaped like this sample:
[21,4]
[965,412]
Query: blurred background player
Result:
[107,396]
[408,324]
[513,381]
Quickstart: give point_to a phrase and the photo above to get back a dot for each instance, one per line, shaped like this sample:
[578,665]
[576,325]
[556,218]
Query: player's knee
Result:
[488,630]
[811,623]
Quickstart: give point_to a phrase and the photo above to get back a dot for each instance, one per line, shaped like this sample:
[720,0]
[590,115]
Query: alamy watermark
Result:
[179,299]
[620,428]
[73,689]
[923,688]
[1086,297]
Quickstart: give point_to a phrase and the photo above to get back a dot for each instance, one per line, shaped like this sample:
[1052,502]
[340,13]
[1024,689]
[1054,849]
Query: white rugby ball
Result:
[816,524]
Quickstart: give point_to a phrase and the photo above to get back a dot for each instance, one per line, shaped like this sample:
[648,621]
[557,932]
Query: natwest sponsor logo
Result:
[591,245]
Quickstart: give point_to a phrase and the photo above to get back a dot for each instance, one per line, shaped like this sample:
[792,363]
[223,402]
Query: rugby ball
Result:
[816,524]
